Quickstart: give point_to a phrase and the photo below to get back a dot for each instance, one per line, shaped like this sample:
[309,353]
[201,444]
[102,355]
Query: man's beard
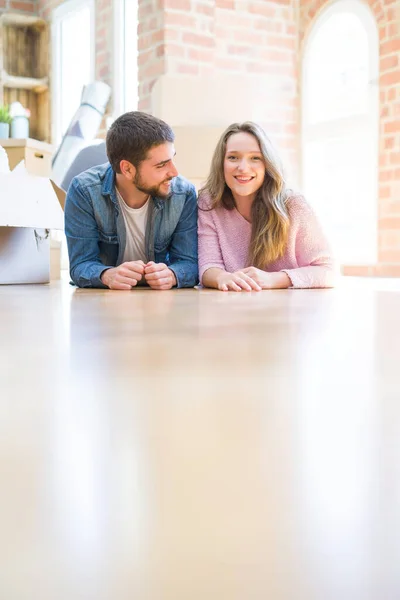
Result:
[155,190]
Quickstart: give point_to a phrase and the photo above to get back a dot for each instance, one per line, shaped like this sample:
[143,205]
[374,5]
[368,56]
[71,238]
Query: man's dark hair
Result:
[132,135]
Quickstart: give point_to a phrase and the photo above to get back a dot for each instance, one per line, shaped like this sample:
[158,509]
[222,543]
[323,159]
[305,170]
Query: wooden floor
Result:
[200,445]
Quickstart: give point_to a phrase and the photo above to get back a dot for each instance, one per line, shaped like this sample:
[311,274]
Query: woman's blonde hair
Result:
[269,214]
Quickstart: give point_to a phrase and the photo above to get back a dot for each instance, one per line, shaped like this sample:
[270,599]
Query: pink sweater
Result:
[224,240]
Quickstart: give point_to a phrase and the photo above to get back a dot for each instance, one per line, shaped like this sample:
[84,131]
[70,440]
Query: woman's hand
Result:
[237,282]
[267,281]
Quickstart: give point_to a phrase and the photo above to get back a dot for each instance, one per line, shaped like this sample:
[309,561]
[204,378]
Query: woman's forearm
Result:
[210,277]
[280,280]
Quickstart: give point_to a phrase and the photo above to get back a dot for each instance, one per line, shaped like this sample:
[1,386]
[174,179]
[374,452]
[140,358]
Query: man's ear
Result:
[127,169]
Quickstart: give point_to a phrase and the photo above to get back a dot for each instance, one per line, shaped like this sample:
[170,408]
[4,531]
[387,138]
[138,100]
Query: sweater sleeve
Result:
[210,254]
[313,254]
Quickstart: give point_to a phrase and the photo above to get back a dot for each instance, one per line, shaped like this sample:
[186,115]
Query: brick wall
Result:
[26,6]
[387,15]
[151,46]
[207,37]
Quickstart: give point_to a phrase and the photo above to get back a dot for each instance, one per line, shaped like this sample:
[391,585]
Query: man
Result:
[133,221]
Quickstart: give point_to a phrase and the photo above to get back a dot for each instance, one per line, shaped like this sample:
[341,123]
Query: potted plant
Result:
[5,120]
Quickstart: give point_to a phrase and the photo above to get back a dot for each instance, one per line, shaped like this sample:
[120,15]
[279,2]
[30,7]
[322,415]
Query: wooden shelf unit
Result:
[24,68]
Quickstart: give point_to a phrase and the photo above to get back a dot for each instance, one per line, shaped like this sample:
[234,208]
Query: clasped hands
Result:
[127,275]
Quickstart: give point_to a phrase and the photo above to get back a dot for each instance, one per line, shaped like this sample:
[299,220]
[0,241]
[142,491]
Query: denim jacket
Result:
[96,234]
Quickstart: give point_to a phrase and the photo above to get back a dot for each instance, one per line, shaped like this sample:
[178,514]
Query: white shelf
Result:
[22,20]
[24,83]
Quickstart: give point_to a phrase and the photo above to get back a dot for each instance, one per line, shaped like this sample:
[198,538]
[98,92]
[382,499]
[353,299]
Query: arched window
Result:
[340,124]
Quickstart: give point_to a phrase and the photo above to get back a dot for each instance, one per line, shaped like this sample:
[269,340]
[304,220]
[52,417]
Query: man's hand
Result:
[123,277]
[159,276]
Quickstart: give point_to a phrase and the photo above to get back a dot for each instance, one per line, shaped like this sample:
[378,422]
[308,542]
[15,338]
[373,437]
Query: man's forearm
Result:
[88,274]
[186,273]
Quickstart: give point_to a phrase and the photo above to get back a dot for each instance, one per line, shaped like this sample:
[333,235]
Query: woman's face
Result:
[244,168]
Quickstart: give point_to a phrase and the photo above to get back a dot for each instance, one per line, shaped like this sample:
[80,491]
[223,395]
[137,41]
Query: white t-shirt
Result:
[135,225]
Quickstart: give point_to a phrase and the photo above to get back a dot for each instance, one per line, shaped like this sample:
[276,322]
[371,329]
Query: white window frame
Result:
[119,59]
[58,15]
[364,13]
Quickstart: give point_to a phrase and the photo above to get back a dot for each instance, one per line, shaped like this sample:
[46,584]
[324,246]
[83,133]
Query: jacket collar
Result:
[108,188]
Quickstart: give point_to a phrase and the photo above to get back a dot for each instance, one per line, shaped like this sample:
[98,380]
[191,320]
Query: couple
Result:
[135,221]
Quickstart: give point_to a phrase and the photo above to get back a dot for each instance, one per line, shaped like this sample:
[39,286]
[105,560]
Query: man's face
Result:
[154,174]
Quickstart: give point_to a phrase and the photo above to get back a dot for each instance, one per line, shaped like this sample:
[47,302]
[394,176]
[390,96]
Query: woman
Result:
[254,234]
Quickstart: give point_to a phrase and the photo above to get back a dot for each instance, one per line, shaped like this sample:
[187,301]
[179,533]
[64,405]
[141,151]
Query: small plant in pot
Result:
[5,120]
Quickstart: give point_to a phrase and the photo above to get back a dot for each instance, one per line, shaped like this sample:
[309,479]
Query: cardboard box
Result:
[36,155]
[194,150]
[29,207]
